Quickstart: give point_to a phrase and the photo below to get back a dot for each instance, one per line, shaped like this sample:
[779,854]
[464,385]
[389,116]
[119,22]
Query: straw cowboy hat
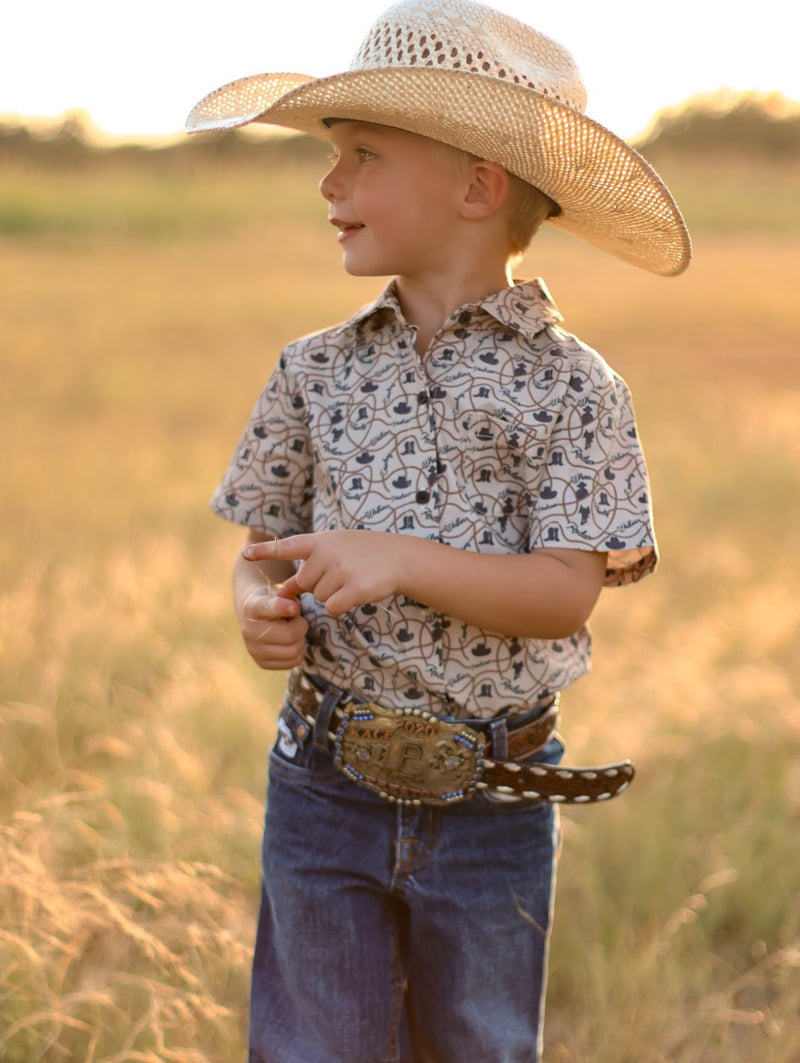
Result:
[462,73]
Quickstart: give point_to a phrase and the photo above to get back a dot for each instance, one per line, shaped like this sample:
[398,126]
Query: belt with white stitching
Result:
[508,779]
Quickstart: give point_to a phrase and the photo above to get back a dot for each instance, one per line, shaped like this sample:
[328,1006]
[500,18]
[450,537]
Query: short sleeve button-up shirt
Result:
[506,436]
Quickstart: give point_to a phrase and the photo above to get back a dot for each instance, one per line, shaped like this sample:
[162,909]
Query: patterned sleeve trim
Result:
[629,566]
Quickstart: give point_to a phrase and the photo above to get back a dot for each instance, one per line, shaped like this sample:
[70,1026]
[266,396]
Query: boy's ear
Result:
[487,189]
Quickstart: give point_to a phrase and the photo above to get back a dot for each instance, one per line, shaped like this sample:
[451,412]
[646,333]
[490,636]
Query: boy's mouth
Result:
[345,227]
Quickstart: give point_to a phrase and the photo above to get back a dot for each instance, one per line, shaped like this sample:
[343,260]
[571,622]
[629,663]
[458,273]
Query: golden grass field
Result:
[138,323]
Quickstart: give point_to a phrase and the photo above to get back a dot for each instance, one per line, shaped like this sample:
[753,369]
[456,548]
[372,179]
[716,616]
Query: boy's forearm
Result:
[544,594]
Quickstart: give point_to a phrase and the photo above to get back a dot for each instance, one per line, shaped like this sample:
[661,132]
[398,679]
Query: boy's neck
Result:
[427,302]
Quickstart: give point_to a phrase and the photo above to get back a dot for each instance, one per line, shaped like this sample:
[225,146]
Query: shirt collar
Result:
[387,304]
[526,308]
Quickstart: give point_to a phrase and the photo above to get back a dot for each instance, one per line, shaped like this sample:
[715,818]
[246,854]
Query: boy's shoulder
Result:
[552,348]
[574,359]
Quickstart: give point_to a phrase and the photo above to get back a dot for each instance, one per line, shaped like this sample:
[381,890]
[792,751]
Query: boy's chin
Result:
[357,269]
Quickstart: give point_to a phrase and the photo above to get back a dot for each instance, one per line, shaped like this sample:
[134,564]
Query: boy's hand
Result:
[342,569]
[273,630]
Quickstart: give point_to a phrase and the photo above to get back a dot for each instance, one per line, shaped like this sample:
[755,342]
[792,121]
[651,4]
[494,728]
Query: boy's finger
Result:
[293,548]
[273,607]
[281,633]
[289,589]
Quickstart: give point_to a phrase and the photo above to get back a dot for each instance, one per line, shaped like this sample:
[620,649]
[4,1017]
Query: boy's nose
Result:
[327,185]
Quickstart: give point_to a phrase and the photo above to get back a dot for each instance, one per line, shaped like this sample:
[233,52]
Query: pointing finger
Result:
[293,548]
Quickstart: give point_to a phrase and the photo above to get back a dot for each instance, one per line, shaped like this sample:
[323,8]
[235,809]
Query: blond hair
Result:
[526,207]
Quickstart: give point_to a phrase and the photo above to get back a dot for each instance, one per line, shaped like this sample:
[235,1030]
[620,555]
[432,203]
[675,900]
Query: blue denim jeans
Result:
[392,934]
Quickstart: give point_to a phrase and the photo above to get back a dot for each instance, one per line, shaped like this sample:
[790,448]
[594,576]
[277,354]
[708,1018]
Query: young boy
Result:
[436,491]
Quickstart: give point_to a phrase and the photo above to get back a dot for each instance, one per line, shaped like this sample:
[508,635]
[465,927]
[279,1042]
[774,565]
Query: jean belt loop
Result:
[499,733]
[322,720]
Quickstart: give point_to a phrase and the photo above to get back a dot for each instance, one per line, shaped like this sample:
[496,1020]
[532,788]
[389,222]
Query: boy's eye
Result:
[364,154]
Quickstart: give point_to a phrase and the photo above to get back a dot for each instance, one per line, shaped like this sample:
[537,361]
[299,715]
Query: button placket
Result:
[426,450]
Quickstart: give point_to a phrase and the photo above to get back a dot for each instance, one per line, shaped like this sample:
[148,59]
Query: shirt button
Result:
[422,398]
[423,497]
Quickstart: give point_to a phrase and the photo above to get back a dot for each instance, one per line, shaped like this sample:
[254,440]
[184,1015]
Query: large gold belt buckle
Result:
[407,755]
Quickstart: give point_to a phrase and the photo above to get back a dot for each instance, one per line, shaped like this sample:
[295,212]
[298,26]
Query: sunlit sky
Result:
[137,68]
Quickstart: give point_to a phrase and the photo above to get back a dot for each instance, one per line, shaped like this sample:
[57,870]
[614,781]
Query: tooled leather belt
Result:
[363,733]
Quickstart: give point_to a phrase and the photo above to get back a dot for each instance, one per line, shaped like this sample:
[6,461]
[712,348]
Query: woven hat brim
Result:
[608,193]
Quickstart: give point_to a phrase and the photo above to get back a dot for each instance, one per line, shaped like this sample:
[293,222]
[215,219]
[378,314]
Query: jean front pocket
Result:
[294,738]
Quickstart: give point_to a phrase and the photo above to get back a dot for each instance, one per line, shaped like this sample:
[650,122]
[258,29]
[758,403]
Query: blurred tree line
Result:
[755,126]
[764,128]
[70,143]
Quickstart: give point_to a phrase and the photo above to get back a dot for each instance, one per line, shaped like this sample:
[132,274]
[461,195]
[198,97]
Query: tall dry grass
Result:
[133,730]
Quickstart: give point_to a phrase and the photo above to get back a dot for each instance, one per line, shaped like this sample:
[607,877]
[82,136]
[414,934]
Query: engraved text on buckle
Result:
[408,756]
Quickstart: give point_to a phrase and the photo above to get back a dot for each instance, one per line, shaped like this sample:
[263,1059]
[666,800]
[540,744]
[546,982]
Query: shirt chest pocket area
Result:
[499,461]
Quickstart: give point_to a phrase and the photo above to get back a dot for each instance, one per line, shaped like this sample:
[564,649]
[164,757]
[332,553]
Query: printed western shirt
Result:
[507,435]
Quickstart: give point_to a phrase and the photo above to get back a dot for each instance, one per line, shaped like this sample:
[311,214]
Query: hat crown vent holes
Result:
[398,47]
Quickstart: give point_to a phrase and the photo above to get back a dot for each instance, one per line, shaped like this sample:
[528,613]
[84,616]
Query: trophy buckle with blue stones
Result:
[408,756]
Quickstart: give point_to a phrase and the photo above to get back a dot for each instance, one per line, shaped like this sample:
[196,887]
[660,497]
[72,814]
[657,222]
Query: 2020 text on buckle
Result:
[408,755]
